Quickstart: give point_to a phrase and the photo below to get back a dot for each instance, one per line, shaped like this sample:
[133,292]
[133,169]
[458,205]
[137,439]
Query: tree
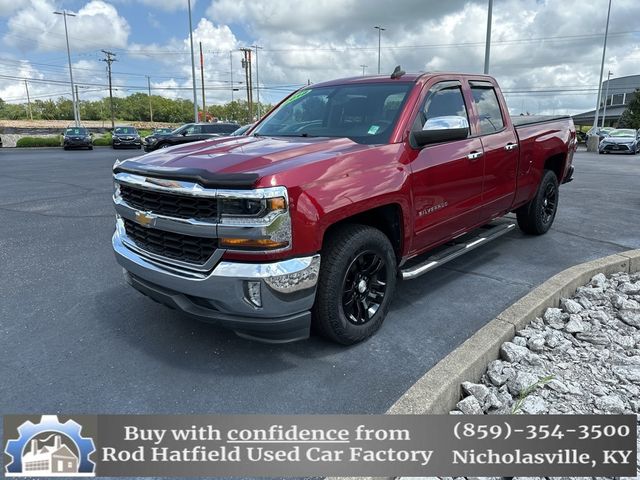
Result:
[631,116]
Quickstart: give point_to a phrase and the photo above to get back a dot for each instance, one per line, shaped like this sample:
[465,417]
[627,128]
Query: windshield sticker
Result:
[373,129]
[296,96]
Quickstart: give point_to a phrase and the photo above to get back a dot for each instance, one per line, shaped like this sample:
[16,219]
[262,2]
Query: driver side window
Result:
[441,101]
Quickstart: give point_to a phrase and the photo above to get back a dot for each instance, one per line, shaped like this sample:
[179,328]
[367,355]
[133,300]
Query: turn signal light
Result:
[261,243]
[278,203]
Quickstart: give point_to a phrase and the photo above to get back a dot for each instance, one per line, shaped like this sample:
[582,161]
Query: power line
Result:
[110,58]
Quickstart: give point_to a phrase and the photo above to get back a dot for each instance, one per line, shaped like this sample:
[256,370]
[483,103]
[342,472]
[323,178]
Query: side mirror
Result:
[184,133]
[441,129]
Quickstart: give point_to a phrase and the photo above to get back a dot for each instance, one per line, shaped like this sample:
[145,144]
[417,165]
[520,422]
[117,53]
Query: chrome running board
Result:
[456,248]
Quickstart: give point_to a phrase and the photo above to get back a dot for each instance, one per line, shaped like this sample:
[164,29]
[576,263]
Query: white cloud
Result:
[324,39]
[96,25]
[169,5]
[7,7]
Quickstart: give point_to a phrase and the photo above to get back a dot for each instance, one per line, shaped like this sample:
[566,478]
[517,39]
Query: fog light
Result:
[253,293]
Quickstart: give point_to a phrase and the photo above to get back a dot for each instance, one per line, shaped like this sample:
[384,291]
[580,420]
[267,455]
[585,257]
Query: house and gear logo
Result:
[50,448]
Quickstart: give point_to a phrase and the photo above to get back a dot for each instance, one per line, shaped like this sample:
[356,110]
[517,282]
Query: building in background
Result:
[618,96]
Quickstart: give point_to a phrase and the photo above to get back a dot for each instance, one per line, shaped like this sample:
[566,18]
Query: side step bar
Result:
[456,249]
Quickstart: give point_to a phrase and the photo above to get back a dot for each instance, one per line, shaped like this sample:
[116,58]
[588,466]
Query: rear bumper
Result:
[287,292]
[569,176]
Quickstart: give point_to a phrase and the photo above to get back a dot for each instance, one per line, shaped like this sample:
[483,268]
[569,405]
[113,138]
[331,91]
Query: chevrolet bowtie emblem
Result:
[146,219]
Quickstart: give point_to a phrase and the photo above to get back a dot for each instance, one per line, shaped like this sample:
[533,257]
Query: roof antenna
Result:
[398,72]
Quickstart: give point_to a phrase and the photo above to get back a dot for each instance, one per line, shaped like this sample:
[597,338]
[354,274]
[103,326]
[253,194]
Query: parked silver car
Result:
[622,140]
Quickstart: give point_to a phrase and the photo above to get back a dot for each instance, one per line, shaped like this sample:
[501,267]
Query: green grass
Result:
[104,141]
[48,141]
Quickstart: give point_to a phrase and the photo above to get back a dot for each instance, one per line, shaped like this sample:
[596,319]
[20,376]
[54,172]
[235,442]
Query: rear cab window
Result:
[488,108]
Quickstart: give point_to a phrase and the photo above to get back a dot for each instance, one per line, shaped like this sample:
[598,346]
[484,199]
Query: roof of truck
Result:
[405,78]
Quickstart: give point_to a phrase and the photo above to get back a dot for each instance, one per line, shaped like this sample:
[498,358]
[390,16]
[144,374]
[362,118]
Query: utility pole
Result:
[380,30]
[150,105]
[246,64]
[606,96]
[109,60]
[193,69]
[78,102]
[487,45]
[363,67]
[231,76]
[26,86]
[66,14]
[256,47]
[604,52]
[204,103]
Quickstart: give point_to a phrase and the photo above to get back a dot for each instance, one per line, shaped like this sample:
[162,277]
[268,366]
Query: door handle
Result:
[474,155]
[511,146]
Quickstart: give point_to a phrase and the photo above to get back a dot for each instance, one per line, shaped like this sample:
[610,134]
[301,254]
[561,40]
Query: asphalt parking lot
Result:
[75,339]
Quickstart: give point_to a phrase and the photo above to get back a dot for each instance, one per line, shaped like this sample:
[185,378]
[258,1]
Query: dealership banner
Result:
[319,445]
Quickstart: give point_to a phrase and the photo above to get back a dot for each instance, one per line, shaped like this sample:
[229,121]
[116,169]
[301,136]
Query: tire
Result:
[65,148]
[164,145]
[536,217]
[356,284]
[91,147]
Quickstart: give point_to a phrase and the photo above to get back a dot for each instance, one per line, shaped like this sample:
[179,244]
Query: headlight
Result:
[255,220]
[251,207]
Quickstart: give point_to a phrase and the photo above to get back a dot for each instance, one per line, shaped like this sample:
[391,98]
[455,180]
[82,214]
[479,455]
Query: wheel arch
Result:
[386,218]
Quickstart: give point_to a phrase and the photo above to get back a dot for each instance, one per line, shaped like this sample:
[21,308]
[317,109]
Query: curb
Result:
[438,391]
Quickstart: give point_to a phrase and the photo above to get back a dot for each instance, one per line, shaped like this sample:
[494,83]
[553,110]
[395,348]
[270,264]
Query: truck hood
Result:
[260,156]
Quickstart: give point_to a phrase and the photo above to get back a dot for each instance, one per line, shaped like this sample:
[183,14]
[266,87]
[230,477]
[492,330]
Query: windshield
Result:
[76,131]
[365,113]
[624,132]
[125,131]
[181,129]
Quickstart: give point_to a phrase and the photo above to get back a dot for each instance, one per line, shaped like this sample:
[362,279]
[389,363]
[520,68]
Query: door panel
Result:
[500,149]
[447,190]
[446,177]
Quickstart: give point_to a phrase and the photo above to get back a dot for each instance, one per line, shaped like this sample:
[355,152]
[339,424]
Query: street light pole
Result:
[150,105]
[604,52]
[363,67]
[256,47]
[193,69]
[606,96]
[380,30]
[487,47]
[64,14]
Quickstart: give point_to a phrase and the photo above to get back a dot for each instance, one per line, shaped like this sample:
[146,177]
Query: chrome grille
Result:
[170,205]
[185,248]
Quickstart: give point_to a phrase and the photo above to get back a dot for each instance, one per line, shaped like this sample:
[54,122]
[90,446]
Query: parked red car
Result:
[344,188]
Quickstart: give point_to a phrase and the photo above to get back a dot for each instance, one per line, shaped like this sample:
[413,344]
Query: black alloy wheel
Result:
[549,203]
[537,216]
[357,279]
[364,287]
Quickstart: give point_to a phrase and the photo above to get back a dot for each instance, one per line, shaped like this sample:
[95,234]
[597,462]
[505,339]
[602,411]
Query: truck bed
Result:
[524,120]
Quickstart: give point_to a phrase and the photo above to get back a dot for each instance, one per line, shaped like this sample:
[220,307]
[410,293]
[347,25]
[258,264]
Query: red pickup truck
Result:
[342,189]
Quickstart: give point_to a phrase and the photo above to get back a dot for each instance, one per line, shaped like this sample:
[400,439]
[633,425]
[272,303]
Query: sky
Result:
[545,54]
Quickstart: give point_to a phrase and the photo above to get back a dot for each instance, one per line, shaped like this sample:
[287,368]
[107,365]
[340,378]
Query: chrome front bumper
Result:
[287,291]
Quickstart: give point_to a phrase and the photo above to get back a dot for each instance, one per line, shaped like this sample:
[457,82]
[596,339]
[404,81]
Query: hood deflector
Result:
[196,175]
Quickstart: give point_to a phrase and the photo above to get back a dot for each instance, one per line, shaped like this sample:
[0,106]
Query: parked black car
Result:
[126,137]
[77,137]
[191,132]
